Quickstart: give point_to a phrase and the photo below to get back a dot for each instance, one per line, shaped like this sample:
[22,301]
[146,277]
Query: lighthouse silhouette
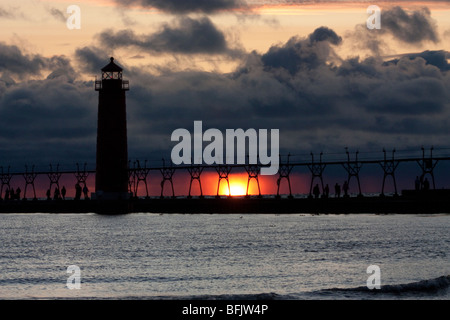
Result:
[111,177]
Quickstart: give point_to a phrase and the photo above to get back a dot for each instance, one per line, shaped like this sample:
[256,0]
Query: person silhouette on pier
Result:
[49,194]
[7,195]
[18,191]
[77,191]
[63,193]
[85,191]
[56,194]
[345,188]
[316,191]
[337,190]
[12,196]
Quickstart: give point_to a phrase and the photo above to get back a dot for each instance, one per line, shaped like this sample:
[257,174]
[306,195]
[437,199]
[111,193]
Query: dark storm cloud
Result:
[184,35]
[325,34]
[297,87]
[416,96]
[411,27]
[13,60]
[42,119]
[414,28]
[187,6]
[47,120]
[302,53]
[315,104]
[91,59]
[60,66]
[438,59]
[408,86]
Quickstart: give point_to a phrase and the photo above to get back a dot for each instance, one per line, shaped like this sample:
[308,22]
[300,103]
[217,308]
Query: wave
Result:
[423,286]
[424,289]
[250,296]
[218,297]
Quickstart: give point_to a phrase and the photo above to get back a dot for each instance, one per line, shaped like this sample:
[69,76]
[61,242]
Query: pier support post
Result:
[223,172]
[317,170]
[195,173]
[29,180]
[81,175]
[140,174]
[253,172]
[167,174]
[131,177]
[54,177]
[389,167]
[5,178]
[353,168]
[427,165]
[284,172]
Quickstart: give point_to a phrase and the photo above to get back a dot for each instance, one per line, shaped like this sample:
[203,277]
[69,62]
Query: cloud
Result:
[58,14]
[184,36]
[413,97]
[325,34]
[11,13]
[187,6]
[48,117]
[14,62]
[362,103]
[6,13]
[435,58]
[90,59]
[294,87]
[300,53]
[410,27]
[413,28]
[138,56]
[44,121]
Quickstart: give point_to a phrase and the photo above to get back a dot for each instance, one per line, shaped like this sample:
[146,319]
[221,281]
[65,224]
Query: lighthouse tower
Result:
[111,177]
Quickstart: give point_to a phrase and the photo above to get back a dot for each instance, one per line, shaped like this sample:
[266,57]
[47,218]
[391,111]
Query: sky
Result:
[311,69]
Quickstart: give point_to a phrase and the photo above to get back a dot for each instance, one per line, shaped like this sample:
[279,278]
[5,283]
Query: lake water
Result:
[175,256]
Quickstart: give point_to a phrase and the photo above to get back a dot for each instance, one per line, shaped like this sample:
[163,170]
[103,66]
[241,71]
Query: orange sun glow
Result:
[238,186]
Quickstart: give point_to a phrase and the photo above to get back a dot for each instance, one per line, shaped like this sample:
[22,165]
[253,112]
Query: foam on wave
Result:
[431,285]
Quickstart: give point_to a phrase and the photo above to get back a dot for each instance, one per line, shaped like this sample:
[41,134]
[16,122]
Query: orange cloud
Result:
[342,6]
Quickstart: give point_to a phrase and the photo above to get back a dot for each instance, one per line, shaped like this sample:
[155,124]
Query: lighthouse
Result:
[111,177]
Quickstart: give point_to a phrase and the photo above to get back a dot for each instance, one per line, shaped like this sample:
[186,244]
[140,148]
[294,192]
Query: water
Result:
[152,256]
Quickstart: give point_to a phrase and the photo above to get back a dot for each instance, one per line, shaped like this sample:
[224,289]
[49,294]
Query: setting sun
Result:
[237,188]
[238,185]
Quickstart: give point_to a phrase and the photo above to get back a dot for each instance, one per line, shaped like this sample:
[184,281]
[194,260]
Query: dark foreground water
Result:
[151,256]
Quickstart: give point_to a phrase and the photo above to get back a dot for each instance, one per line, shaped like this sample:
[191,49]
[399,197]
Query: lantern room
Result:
[109,73]
[112,71]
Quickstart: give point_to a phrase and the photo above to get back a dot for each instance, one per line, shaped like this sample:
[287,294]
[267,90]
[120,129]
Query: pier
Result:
[421,200]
